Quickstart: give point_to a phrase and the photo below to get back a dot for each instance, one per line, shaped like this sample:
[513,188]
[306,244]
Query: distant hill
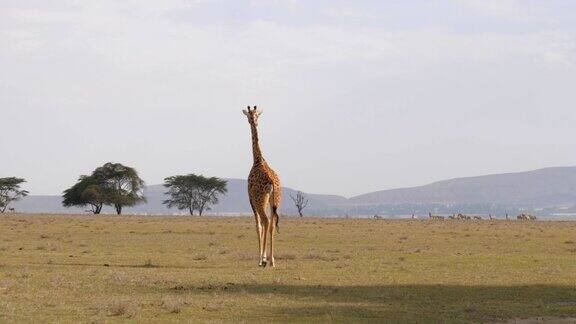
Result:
[235,201]
[544,187]
[546,190]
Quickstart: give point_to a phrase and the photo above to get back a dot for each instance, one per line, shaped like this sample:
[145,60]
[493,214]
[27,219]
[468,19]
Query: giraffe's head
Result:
[252,114]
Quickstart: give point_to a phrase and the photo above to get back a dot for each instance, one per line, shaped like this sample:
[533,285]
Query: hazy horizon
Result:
[363,193]
[358,96]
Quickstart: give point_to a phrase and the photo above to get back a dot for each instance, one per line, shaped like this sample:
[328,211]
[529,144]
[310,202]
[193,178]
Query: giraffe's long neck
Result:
[257,153]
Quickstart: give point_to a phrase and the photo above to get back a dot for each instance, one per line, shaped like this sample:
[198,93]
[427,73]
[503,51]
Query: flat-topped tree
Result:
[10,191]
[86,192]
[193,192]
[112,184]
[120,185]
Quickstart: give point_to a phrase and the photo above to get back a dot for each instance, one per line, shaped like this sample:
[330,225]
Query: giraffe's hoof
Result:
[262,264]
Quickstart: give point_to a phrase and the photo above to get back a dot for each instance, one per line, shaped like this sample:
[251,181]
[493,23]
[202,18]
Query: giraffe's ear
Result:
[245,112]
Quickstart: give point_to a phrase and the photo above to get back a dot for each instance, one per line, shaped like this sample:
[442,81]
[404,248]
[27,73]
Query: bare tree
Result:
[300,201]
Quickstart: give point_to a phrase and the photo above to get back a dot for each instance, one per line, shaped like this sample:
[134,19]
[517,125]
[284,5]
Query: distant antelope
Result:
[413,216]
[525,217]
[477,217]
[11,209]
[377,217]
[435,216]
[462,216]
[490,216]
[452,216]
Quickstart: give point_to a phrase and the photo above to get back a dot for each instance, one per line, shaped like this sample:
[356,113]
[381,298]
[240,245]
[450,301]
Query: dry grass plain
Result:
[56,268]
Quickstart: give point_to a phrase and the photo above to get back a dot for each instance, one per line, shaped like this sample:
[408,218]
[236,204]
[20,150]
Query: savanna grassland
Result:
[170,269]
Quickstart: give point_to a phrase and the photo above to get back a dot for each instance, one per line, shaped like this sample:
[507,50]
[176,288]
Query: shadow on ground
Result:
[411,302]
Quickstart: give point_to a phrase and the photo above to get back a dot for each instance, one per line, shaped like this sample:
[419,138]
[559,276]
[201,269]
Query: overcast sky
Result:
[357,95]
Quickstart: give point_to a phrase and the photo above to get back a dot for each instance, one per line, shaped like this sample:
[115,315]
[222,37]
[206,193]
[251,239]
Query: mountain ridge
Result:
[536,189]
[512,187]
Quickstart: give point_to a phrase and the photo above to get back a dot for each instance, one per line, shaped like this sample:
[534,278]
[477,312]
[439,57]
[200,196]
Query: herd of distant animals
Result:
[460,216]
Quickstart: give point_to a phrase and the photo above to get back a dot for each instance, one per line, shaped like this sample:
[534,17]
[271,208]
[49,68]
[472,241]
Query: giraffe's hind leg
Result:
[271,227]
[274,205]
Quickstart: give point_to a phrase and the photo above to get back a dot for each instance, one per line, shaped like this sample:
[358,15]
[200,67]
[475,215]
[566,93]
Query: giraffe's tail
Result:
[275,204]
[277,217]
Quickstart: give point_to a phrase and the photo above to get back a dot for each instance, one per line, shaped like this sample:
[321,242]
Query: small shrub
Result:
[121,308]
[172,305]
[286,257]
[312,257]
[319,257]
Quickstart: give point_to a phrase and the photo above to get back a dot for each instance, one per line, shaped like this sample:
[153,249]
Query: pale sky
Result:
[357,95]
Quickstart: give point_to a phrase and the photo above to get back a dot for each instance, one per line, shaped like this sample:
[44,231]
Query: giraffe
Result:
[264,192]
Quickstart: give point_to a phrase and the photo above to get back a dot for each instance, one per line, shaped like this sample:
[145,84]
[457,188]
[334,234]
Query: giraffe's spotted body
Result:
[264,192]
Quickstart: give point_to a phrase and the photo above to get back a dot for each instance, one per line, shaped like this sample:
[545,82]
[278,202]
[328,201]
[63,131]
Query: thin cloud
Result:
[512,10]
[341,91]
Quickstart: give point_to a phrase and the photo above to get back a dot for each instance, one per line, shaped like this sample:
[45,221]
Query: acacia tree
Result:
[181,192]
[300,201]
[10,191]
[208,191]
[87,191]
[120,185]
[193,192]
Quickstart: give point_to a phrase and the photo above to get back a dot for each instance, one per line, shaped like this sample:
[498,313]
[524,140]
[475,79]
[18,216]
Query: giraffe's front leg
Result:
[263,244]
[259,230]
[260,241]
[271,227]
